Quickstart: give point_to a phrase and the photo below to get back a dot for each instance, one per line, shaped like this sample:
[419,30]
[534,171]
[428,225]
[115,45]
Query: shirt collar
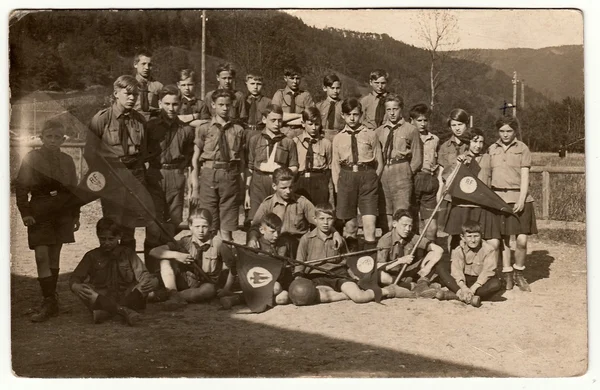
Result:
[501,144]
[329,100]
[287,90]
[192,99]
[376,95]
[396,238]
[270,133]
[143,80]
[277,199]
[256,97]
[119,110]
[426,134]
[389,124]
[305,136]
[454,140]
[348,129]
[214,121]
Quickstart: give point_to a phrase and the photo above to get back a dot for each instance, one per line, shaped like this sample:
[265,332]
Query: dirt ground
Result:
[538,334]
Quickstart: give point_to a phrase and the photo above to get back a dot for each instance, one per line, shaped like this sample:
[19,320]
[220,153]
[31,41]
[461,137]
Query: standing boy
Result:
[356,165]
[314,160]
[112,279]
[149,88]
[402,157]
[218,165]
[293,101]
[374,103]
[266,152]
[256,103]
[331,107]
[428,178]
[192,108]
[47,173]
[225,79]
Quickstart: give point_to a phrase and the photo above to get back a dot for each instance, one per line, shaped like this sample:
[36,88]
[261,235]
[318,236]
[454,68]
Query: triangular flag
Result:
[257,274]
[365,269]
[466,186]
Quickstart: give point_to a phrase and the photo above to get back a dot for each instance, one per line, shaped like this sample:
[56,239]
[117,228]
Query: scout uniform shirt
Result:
[256,106]
[397,247]
[331,114]
[321,153]
[150,88]
[369,104]
[268,151]
[208,139]
[506,162]
[170,142]
[207,255]
[318,245]
[368,149]
[112,273]
[194,105]
[430,152]
[238,112]
[292,101]
[480,262]
[448,153]
[404,144]
[296,213]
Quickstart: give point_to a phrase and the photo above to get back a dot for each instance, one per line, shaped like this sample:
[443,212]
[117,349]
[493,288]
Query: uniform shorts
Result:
[397,185]
[315,188]
[58,230]
[219,194]
[426,188]
[322,280]
[357,189]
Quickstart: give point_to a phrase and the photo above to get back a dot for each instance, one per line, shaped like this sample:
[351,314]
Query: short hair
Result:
[128,82]
[330,79]
[418,110]
[350,104]
[272,108]
[311,114]
[292,70]
[200,213]
[458,114]
[282,174]
[169,90]
[53,124]
[272,220]
[254,74]
[325,208]
[377,73]
[186,74]
[471,226]
[401,213]
[142,52]
[392,97]
[226,67]
[222,93]
[512,121]
[106,224]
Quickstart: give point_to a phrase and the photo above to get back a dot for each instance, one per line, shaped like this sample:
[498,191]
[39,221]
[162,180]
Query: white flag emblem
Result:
[258,277]
[468,185]
[96,181]
[365,264]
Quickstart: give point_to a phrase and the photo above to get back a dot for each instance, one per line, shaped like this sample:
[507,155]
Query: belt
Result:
[394,161]
[359,167]
[505,189]
[171,166]
[427,172]
[221,164]
[317,171]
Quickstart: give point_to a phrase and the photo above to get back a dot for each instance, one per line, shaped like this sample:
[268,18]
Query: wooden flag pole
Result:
[437,206]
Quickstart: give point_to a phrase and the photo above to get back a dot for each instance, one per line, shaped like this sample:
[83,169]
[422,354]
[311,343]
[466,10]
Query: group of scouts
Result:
[302,171]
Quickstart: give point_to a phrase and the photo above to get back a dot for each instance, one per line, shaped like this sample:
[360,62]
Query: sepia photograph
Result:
[297,193]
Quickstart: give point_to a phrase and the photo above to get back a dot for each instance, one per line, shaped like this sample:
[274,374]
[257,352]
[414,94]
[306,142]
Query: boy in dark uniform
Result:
[256,103]
[373,104]
[238,112]
[293,101]
[192,108]
[331,107]
[47,174]
[147,104]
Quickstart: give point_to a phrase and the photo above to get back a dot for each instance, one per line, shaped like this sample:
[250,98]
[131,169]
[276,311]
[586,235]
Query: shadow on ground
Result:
[538,265]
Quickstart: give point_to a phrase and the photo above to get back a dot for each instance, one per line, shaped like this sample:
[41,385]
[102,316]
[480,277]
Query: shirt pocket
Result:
[365,150]
[235,140]
[320,160]
[282,155]
[111,135]
[210,142]
[126,272]
[514,158]
[209,262]
[100,272]
[300,223]
[401,145]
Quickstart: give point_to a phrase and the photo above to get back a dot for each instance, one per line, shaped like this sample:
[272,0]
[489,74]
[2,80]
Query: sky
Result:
[483,29]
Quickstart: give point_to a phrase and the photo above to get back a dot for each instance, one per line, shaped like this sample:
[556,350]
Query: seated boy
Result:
[318,244]
[470,274]
[112,279]
[181,278]
[398,245]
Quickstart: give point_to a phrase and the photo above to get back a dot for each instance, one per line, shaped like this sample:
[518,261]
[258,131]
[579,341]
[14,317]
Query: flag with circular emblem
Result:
[257,274]
[466,186]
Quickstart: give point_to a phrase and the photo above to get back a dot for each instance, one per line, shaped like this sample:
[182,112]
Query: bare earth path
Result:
[538,334]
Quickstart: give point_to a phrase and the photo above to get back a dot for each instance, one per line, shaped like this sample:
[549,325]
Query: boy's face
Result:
[334,90]
[325,222]
[125,98]
[421,123]
[283,189]
[293,81]
[473,240]
[458,128]
[313,128]
[273,122]
[393,111]
[269,234]
[144,66]
[476,145]
[199,228]
[222,106]
[170,105]
[186,87]
[108,241]
[507,134]
[52,139]
[403,226]
[379,85]
[353,118]
[225,80]
[254,86]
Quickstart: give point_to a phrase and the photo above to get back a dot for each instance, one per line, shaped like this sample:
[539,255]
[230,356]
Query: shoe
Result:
[158,296]
[400,292]
[424,290]
[99,316]
[520,281]
[436,285]
[131,317]
[476,301]
[508,280]
[444,295]
[49,309]
[229,301]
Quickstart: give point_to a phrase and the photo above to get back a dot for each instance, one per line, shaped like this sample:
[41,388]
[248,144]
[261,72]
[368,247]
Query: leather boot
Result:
[443,295]
[508,280]
[50,303]
[476,301]
[130,316]
[520,281]
[400,292]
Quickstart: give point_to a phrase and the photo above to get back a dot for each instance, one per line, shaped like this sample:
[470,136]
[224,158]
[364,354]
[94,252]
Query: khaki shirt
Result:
[506,163]
[154,88]
[406,143]
[396,247]
[480,262]
[297,213]
[338,122]
[259,152]
[318,245]
[170,141]
[210,261]
[368,146]
[369,107]
[448,153]
[238,111]
[321,152]
[283,98]
[194,106]
[207,140]
[261,104]
[431,143]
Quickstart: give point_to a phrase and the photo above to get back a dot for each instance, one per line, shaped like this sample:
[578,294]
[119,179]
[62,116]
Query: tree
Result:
[438,30]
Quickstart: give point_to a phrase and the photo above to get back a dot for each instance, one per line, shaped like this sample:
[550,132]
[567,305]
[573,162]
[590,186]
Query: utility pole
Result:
[203,75]
[514,102]
[522,94]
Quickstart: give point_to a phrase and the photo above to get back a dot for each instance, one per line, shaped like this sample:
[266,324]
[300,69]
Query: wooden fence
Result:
[546,193]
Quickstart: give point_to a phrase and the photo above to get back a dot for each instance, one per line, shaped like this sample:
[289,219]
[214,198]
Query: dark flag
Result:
[365,269]
[466,186]
[257,274]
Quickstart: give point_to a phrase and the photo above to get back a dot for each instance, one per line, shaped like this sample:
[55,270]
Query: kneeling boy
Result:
[470,273]
[112,279]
